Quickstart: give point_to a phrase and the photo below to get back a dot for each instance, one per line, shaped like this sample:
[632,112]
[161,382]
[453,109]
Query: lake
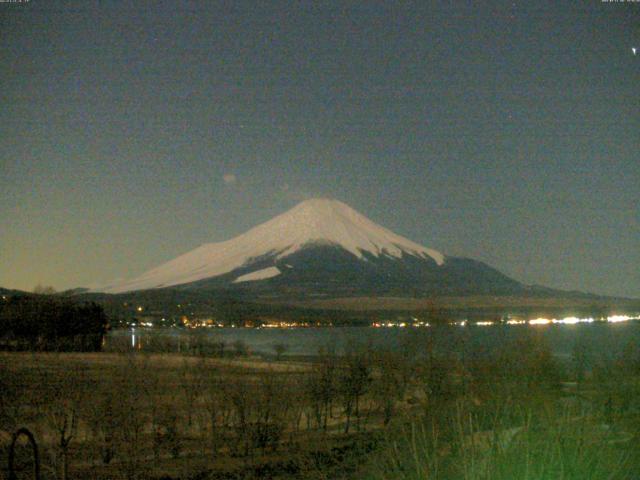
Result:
[602,337]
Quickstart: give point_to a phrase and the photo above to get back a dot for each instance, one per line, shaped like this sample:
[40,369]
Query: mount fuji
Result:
[322,247]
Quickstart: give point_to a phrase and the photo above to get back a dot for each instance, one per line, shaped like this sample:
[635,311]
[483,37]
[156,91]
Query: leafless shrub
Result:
[260,411]
[322,388]
[190,383]
[240,348]
[280,349]
[104,417]
[390,381]
[166,435]
[353,382]
[60,401]
[212,401]
[132,384]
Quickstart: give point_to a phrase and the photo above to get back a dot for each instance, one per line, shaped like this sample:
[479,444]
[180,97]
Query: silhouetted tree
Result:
[50,323]
[280,348]
[44,289]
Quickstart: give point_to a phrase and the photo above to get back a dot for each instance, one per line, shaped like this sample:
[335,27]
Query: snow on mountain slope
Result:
[268,272]
[315,221]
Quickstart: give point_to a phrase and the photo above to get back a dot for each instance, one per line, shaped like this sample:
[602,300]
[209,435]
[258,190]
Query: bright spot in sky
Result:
[634,50]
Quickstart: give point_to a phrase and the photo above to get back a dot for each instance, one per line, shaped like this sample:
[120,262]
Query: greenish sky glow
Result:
[132,132]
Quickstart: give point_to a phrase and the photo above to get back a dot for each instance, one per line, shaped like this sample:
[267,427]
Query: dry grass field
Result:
[412,413]
[112,415]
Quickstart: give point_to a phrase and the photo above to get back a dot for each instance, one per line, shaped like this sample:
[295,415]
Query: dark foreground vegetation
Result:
[47,322]
[418,412]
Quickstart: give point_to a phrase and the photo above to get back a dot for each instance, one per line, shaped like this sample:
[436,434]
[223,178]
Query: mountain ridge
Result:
[312,223]
[323,247]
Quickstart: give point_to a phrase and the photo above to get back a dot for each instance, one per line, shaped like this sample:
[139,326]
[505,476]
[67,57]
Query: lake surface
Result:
[603,338]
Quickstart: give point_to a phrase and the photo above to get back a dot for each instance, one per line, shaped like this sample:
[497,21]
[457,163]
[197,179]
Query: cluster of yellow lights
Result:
[621,318]
[542,321]
[286,324]
[210,323]
[555,321]
[200,322]
[392,324]
[198,325]
[294,324]
[535,321]
[516,322]
[575,320]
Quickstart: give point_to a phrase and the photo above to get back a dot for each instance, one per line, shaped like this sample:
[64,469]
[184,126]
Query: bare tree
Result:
[103,417]
[166,435]
[241,393]
[214,401]
[353,380]
[272,410]
[322,388]
[130,384]
[240,348]
[391,380]
[280,349]
[61,400]
[191,386]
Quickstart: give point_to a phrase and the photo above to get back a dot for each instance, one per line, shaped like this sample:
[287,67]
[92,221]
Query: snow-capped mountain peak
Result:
[331,221]
[316,221]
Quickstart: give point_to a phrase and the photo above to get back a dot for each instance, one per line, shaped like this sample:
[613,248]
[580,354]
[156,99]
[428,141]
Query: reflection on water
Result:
[610,337]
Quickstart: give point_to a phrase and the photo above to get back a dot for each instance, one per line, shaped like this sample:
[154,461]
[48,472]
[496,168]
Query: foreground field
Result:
[99,415]
[413,413]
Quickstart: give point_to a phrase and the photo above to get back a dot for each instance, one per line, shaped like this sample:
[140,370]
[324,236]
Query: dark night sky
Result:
[133,131]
